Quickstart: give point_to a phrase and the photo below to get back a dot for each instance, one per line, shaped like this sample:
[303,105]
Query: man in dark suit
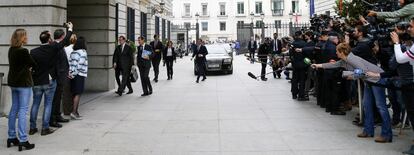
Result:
[144,65]
[262,54]
[299,68]
[123,60]
[157,47]
[60,73]
[200,60]
[252,47]
[276,46]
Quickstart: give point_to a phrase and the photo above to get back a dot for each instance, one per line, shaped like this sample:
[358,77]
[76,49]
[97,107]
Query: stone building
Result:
[99,21]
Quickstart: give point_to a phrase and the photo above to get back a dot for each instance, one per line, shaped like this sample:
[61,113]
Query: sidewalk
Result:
[225,115]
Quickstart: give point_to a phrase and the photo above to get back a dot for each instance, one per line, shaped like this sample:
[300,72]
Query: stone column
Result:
[33,15]
[95,20]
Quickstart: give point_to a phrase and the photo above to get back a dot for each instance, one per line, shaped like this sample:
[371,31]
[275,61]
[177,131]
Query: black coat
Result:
[363,49]
[252,48]
[19,73]
[160,47]
[264,50]
[164,53]
[60,71]
[203,51]
[42,55]
[298,57]
[123,59]
[141,62]
[279,46]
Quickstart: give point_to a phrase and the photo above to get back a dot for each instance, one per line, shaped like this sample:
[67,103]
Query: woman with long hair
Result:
[78,63]
[21,83]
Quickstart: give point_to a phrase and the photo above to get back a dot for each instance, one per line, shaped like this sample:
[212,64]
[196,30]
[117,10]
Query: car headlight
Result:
[227,61]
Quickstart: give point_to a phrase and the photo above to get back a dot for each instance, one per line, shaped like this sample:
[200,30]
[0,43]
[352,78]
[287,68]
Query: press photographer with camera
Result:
[403,14]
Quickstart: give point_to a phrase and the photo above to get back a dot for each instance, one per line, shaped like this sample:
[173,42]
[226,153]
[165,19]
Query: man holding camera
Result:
[402,15]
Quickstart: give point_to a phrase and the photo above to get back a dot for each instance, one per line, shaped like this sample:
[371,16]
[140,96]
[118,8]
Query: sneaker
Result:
[75,117]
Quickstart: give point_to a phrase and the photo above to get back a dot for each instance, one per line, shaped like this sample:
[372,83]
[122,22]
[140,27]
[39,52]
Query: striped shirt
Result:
[78,63]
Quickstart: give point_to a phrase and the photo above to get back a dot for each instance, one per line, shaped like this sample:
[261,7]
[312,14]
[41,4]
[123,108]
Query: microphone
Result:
[252,75]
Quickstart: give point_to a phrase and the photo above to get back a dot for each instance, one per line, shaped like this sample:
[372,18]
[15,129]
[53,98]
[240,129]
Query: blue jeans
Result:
[48,91]
[19,108]
[374,95]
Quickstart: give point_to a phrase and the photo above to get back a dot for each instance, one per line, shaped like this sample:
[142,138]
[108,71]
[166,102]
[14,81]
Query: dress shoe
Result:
[55,124]
[145,94]
[264,79]
[33,131]
[303,99]
[130,92]
[13,141]
[46,132]
[294,97]
[381,139]
[25,145]
[203,79]
[60,119]
[197,81]
[338,113]
[364,135]
[150,92]
[119,93]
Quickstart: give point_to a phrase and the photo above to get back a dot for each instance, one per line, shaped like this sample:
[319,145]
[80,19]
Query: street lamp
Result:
[251,24]
[197,26]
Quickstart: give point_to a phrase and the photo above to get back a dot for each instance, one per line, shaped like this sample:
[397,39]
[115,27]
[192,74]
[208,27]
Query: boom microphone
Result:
[252,75]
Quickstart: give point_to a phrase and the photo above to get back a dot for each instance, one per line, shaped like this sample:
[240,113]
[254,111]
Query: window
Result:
[222,26]
[131,24]
[222,9]
[259,23]
[157,25]
[204,26]
[278,23]
[240,24]
[204,9]
[163,29]
[187,25]
[277,7]
[240,7]
[187,9]
[295,6]
[144,24]
[259,7]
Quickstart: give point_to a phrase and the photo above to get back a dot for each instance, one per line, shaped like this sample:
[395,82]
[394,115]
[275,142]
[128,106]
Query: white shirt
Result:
[169,51]
[69,50]
[122,48]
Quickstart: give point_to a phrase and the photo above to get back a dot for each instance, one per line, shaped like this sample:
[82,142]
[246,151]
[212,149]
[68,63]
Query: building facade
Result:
[99,21]
[325,6]
[218,19]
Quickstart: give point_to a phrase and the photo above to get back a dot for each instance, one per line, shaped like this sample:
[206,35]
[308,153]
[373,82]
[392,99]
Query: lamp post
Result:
[197,27]
[262,15]
[251,24]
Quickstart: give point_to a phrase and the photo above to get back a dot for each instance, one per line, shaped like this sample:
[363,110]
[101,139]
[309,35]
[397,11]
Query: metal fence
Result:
[260,30]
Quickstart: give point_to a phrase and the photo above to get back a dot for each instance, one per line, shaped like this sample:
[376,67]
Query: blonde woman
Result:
[21,83]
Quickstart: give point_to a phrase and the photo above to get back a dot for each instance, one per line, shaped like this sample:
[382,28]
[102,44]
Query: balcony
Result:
[205,14]
[277,12]
[186,15]
[222,15]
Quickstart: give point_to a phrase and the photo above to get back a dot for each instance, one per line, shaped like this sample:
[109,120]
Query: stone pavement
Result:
[227,114]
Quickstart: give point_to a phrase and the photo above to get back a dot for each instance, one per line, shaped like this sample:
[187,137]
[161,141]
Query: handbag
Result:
[134,74]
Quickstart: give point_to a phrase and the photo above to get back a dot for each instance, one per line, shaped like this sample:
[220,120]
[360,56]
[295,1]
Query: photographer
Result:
[363,47]
[403,14]
[299,68]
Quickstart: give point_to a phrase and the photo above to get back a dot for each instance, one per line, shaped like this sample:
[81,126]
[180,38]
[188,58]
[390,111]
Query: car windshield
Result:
[216,49]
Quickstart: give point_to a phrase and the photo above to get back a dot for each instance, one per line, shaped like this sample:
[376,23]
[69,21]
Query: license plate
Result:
[213,65]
